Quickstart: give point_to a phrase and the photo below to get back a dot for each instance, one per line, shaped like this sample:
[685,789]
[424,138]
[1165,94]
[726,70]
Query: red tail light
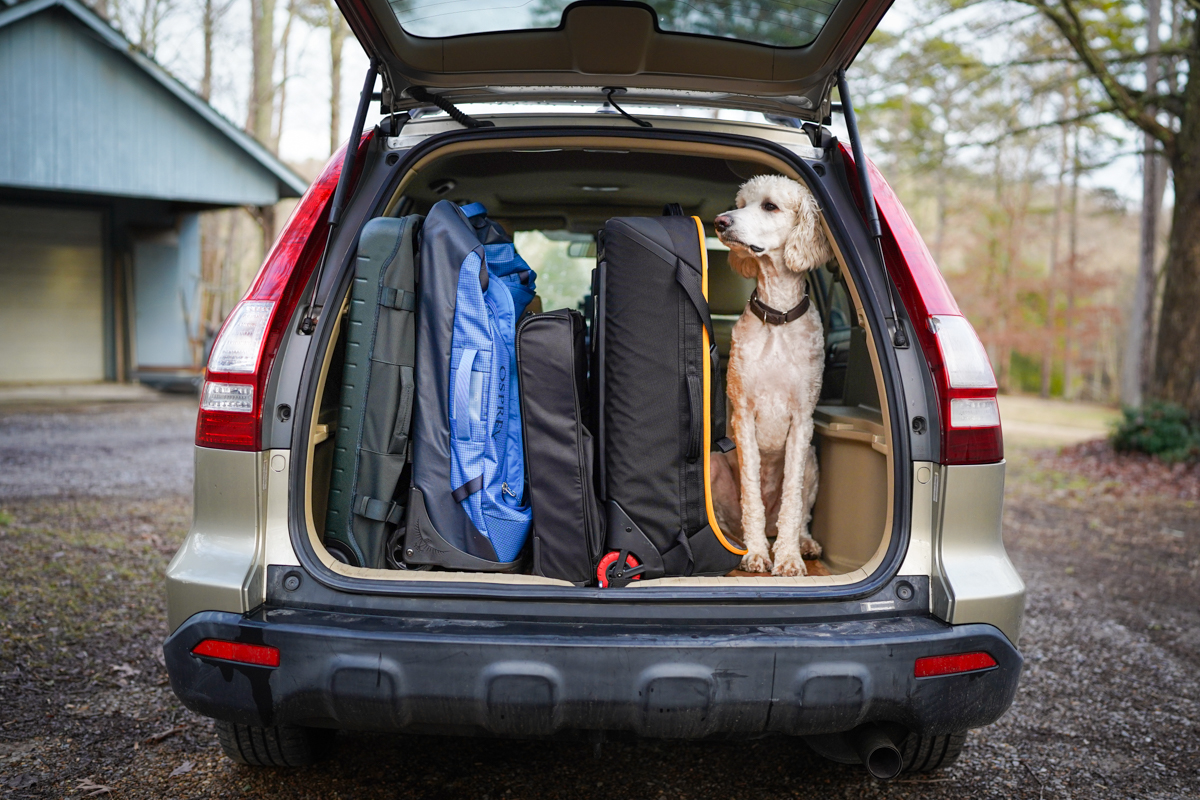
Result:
[259,655]
[231,411]
[962,375]
[933,666]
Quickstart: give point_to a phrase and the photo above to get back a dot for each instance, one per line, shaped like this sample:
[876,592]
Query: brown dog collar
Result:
[773,317]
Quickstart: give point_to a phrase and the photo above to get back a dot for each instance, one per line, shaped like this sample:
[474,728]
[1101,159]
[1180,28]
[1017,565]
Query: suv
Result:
[903,636]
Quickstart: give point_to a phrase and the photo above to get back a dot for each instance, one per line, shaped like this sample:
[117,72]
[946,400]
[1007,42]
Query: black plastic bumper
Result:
[389,673]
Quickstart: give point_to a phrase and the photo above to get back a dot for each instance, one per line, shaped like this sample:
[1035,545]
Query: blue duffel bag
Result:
[467,507]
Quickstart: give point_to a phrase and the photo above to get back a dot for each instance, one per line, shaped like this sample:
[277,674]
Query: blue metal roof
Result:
[82,110]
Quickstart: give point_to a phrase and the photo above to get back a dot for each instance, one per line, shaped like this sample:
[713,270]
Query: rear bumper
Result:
[362,672]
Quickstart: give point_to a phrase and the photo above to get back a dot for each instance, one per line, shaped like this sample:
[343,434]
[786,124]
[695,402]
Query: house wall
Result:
[76,115]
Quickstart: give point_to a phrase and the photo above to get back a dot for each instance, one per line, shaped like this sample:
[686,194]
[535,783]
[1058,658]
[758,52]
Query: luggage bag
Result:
[568,532]
[371,443]
[655,379]
[467,507]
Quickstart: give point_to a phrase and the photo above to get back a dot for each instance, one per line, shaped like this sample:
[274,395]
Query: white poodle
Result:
[775,368]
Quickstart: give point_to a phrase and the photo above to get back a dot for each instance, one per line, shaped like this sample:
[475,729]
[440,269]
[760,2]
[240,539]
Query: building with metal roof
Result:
[106,161]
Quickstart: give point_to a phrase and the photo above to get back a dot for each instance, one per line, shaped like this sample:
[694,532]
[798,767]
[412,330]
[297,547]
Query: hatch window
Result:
[780,23]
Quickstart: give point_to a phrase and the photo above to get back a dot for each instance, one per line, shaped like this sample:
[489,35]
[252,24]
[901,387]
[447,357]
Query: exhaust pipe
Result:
[877,752]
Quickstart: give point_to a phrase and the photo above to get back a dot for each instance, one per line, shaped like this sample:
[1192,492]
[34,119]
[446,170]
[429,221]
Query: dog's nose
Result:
[723,223]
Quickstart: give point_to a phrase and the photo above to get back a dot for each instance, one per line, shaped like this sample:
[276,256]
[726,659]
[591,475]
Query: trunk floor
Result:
[815,567]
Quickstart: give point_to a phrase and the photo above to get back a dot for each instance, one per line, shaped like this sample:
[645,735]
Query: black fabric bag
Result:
[568,532]
[653,374]
[371,446]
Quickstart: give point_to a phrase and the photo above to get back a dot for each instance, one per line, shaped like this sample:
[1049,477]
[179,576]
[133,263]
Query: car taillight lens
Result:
[230,416]
[934,666]
[259,655]
[962,375]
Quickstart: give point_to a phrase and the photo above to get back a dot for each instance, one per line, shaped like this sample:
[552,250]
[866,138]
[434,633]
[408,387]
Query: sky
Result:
[305,130]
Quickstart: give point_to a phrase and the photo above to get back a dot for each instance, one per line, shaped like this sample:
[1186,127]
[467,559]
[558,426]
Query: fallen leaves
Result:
[182,769]
[1125,474]
[92,789]
[158,737]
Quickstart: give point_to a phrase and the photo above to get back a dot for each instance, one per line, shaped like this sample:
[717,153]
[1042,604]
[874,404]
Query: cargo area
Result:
[551,196]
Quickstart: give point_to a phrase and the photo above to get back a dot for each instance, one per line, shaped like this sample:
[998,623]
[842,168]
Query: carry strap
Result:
[398,299]
[378,510]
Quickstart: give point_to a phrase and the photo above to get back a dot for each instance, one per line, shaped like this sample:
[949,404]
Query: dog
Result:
[775,367]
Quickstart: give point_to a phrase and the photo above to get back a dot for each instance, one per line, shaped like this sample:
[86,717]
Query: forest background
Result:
[997,128]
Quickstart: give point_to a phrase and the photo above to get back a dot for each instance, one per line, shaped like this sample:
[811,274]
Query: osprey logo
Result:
[501,400]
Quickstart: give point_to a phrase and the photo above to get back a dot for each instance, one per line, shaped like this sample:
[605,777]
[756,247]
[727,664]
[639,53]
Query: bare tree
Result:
[324,14]
[260,110]
[210,18]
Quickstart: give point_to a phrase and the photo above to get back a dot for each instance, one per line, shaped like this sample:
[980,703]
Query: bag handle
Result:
[462,396]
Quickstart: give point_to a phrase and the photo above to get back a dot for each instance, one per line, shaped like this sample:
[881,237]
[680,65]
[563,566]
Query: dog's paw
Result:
[789,566]
[810,547]
[756,562]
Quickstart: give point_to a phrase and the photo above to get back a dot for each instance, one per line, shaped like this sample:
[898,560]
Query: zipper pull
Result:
[505,490]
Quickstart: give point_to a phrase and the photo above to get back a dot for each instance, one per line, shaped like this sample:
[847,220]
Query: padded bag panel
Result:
[559,450]
[371,443]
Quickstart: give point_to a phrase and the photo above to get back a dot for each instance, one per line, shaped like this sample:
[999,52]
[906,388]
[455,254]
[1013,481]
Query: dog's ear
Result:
[744,264]
[806,245]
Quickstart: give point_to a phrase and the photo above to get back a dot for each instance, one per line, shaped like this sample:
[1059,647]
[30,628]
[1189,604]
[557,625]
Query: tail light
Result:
[231,401]
[962,374]
[260,655]
[933,666]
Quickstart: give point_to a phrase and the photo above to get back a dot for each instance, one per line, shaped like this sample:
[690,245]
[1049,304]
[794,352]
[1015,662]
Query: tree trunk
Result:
[1072,264]
[262,80]
[1052,278]
[1177,355]
[1132,371]
[337,38]
[284,41]
[208,23]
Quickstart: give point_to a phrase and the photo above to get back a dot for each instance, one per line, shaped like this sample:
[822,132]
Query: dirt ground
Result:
[95,500]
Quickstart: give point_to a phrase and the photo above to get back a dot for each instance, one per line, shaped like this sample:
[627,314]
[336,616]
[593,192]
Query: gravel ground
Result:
[1108,704]
[129,450]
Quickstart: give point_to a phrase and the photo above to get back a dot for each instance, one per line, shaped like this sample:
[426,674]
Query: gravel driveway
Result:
[95,501]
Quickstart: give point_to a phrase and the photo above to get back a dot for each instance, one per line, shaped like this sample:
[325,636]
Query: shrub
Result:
[1158,429]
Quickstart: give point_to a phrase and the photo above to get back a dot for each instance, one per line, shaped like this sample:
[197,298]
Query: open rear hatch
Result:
[773,56]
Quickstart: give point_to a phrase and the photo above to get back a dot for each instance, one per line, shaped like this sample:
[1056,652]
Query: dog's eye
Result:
[768,206]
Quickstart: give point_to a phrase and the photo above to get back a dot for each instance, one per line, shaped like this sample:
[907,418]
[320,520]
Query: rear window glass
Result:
[781,23]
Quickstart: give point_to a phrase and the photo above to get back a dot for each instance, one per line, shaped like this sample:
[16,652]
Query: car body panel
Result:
[598,45]
[975,580]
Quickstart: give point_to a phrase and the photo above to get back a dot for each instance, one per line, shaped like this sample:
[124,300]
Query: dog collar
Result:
[773,317]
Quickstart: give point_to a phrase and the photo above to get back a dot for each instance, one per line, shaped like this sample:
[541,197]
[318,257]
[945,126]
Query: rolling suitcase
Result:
[654,371]
[568,531]
[372,439]
[467,508]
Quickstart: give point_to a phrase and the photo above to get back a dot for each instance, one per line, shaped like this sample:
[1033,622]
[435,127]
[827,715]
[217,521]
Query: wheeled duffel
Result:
[366,501]
[661,410]
[568,531]
[467,508]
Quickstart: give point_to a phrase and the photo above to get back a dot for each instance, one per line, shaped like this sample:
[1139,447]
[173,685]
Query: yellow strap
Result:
[708,505]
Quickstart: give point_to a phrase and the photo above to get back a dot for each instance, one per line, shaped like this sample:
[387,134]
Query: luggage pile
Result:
[475,436]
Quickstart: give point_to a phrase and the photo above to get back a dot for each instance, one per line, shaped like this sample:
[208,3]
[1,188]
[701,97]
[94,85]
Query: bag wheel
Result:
[609,571]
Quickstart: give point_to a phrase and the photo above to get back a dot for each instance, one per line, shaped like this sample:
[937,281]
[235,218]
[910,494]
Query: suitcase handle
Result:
[696,413]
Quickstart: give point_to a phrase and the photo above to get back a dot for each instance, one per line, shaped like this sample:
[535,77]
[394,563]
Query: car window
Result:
[773,22]
[836,300]
[563,262]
